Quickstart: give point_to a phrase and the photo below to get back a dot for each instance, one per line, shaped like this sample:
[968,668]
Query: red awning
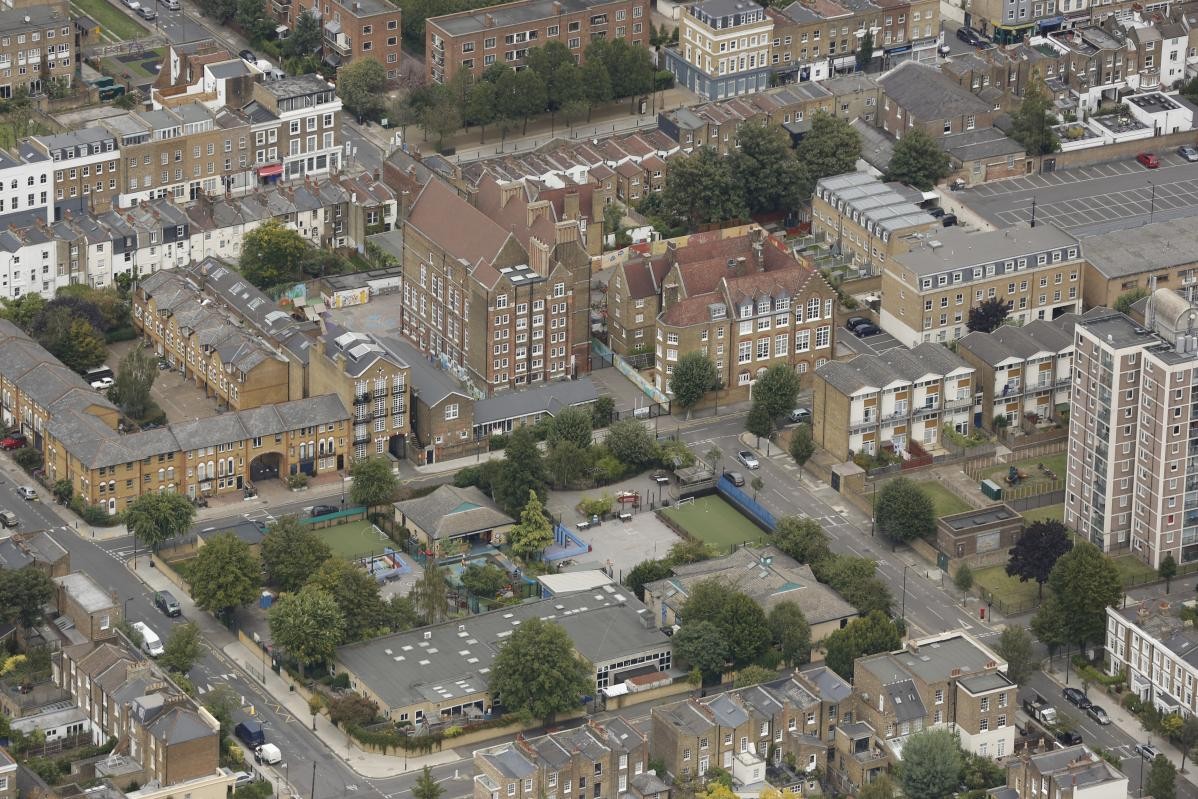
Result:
[270,170]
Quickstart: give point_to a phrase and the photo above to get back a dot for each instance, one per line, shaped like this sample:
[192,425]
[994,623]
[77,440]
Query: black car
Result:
[867,329]
[936,212]
[248,55]
[166,602]
[323,510]
[948,220]
[971,37]
[854,322]
[1076,696]
[1069,737]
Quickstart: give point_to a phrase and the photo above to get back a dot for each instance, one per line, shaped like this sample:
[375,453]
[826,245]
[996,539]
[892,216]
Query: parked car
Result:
[866,330]
[242,778]
[748,459]
[736,478]
[166,602]
[1149,160]
[948,220]
[855,322]
[269,754]
[27,493]
[145,12]
[971,37]
[800,415]
[248,55]
[1099,714]
[1187,152]
[1075,696]
[8,518]
[151,644]
[13,441]
[1146,751]
[323,510]
[937,212]
[105,383]
[1069,737]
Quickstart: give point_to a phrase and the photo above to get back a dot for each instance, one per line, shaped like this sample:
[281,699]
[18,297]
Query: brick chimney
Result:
[489,20]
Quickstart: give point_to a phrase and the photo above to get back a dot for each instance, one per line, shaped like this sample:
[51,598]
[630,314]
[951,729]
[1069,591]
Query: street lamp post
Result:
[1151,201]
[905,567]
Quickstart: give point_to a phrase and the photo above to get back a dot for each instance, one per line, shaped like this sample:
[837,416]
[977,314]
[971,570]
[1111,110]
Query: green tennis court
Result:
[354,539]
[713,521]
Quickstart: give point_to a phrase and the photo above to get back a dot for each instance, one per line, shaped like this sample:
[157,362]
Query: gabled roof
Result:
[450,512]
[927,94]
[455,225]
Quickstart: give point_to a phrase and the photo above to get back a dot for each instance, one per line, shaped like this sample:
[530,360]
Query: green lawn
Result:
[1133,571]
[354,539]
[946,501]
[111,19]
[1054,513]
[1015,595]
[712,520]
[1031,468]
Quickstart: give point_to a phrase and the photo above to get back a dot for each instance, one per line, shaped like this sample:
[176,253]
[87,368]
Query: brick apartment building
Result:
[917,95]
[474,40]
[295,127]
[498,290]
[927,291]
[37,46]
[350,30]
[1070,773]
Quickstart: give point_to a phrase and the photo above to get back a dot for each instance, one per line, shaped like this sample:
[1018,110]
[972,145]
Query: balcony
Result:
[896,416]
[924,411]
[362,399]
[338,41]
[280,7]
[1011,389]
[362,437]
[862,425]
[958,404]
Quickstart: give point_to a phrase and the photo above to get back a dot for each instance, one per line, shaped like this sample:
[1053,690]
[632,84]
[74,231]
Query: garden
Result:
[1036,475]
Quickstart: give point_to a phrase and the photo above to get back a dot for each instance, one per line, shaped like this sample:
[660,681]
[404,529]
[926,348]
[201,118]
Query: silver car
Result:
[26,493]
[748,459]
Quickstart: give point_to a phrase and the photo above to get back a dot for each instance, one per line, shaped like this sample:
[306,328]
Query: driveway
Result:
[1093,199]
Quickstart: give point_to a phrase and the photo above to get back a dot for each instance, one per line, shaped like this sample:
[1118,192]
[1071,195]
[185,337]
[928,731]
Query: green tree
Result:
[1127,299]
[1015,647]
[480,107]
[443,115]
[430,594]
[566,464]
[1048,625]
[534,533]
[759,422]
[23,594]
[741,621]
[155,518]
[532,95]
[523,471]
[880,788]
[134,378]
[631,443]
[357,595]
[602,411]
[772,178]
[374,483]
[692,551]
[1186,738]
[596,84]
[701,645]
[777,390]
[802,445]
[1039,547]
[571,424]
[980,772]
[362,86]
[856,580]
[865,51]
[1168,570]
[904,511]
[225,575]
[304,39]
[307,624]
[1085,582]
[249,17]
[182,648]
[271,252]
[753,675]
[537,674]
[484,581]
[693,377]
[866,635]
[802,538]
[932,764]
[963,579]
[426,787]
[988,315]
[73,339]
[22,310]
[701,190]
[221,702]
[1162,779]
[292,553]
[1033,120]
[918,160]
[647,571]
[62,490]
[791,632]
[756,484]
[1189,90]
[831,147]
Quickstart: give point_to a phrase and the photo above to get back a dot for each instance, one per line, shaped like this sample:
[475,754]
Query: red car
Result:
[14,441]
[1149,160]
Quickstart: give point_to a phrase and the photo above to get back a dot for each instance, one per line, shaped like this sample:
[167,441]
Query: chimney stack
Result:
[489,20]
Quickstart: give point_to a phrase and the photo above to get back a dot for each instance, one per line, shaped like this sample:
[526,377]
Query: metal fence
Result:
[746,504]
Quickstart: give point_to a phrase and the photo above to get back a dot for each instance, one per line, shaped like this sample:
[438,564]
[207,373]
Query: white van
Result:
[269,70]
[151,644]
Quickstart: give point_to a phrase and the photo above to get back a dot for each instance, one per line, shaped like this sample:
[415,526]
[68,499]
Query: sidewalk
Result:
[227,648]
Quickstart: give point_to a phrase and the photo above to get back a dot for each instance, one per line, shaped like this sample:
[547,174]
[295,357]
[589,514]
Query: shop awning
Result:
[270,170]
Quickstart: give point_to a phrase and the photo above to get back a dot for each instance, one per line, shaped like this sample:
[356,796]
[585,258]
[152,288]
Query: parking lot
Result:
[178,397]
[1093,199]
[870,345]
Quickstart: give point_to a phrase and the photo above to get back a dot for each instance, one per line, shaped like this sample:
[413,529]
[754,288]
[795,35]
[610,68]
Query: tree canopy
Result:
[135,377]
[1162,779]
[374,482]
[1085,582]
[776,390]
[159,517]
[1016,647]
[271,252]
[771,176]
[292,553]
[307,624]
[791,633]
[918,161]
[1037,551]
[23,594]
[831,147]
[537,673]
[988,315]
[904,511]
[182,647]
[361,86]
[701,190]
[224,574]
[740,620]
[694,376]
[932,763]
[534,532]
[862,636]
[523,471]
[1033,120]
[631,443]
[357,595]
[702,645]
[430,594]
[570,424]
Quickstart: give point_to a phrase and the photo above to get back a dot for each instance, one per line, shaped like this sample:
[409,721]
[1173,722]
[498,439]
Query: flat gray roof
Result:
[465,22]
[1146,248]
[954,247]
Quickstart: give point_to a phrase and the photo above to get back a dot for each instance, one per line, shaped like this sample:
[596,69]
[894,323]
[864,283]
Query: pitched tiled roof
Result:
[454,224]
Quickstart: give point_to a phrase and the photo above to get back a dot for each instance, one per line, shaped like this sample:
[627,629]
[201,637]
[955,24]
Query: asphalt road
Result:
[1094,199]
